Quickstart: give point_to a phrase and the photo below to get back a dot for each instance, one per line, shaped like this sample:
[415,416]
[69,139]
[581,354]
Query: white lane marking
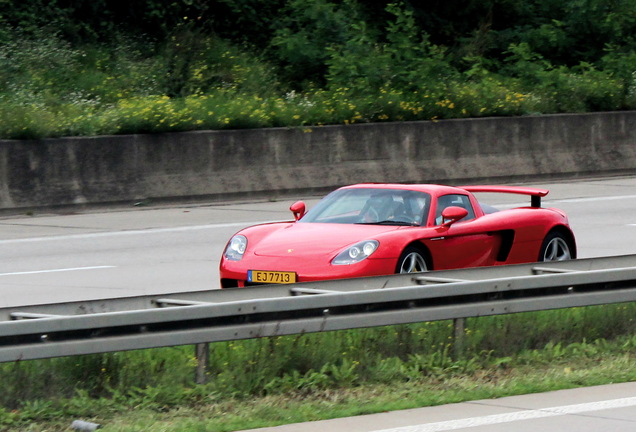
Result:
[587,199]
[131,232]
[516,416]
[592,199]
[55,270]
[547,202]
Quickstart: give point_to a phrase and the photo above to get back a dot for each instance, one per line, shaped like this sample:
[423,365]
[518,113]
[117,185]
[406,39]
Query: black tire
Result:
[556,246]
[413,260]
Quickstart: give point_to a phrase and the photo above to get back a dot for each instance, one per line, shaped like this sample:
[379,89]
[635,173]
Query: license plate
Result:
[271,277]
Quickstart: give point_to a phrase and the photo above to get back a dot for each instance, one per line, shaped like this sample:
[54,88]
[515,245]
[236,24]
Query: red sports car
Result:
[379,229]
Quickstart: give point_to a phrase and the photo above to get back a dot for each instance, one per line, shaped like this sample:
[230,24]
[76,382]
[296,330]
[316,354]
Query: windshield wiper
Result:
[389,222]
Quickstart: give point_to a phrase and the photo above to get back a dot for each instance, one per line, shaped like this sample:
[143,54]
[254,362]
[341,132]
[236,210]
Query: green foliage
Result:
[196,62]
[312,63]
[406,62]
[305,33]
[42,66]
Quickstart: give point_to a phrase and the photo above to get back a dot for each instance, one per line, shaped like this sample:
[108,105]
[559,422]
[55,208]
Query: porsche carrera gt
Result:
[378,229]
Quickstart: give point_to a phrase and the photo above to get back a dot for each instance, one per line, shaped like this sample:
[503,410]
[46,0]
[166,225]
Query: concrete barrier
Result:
[270,162]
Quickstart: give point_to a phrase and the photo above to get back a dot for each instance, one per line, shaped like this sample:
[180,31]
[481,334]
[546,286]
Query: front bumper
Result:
[234,273]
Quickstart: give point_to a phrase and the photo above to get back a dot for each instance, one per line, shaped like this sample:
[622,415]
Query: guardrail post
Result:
[202,353]
[458,337]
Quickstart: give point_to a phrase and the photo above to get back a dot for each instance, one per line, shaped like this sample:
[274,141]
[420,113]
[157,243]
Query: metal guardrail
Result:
[56,330]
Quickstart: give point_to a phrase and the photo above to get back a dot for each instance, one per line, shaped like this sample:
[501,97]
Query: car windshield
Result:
[371,206]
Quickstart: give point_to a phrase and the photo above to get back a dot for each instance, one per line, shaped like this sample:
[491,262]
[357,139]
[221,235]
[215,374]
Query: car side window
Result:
[453,200]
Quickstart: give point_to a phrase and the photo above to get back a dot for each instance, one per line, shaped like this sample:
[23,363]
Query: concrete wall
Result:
[267,162]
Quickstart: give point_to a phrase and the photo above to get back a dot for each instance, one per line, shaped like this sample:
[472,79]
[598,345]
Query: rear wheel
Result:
[556,247]
[412,260]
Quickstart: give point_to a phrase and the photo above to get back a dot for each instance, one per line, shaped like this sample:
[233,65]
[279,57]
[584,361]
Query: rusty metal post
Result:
[458,337]
[202,353]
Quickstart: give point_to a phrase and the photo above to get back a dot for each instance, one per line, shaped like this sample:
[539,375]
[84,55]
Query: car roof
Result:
[432,189]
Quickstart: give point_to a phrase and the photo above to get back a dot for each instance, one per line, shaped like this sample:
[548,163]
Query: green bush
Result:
[324,63]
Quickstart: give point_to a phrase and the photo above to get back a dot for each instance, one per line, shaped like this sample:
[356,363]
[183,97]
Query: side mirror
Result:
[298,209]
[453,214]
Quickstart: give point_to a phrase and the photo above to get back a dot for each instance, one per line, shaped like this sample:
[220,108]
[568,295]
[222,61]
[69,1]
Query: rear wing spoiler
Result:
[535,194]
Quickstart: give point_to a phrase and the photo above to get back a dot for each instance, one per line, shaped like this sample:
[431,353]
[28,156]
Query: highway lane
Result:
[139,251]
[125,252]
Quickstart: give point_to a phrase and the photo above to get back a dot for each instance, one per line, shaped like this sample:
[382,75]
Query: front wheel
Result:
[412,260]
[556,247]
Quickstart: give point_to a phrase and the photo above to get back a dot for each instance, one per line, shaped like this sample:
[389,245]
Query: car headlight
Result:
[356,253]
[236,248]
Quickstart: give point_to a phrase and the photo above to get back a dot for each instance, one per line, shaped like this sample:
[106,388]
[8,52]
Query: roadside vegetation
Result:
[102,67]
[269,381]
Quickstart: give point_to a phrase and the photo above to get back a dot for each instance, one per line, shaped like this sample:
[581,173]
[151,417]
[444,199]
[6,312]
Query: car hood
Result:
[305,239]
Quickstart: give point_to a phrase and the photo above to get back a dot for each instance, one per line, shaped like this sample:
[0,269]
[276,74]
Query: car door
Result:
[466,243]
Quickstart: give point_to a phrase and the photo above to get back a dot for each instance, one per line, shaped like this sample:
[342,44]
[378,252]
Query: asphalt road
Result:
[144,250]
[591,409]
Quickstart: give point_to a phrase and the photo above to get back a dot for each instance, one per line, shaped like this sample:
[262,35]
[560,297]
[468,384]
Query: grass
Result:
[490,383]
[530,372]
[270,381]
